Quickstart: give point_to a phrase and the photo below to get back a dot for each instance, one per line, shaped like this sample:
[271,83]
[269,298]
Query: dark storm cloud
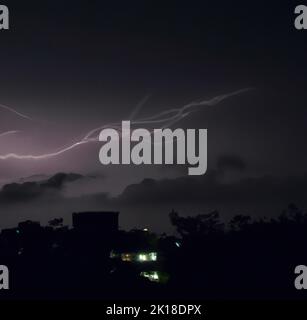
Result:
[149,202]
[27,191]
[188,190]
[209,190]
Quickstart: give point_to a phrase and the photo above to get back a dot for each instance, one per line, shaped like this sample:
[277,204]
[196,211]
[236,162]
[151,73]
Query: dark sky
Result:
[76,65]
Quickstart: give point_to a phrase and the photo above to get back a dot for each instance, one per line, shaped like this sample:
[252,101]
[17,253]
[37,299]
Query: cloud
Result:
[57,181]
[209,189]
[16,192]
[148,203]
[203,190]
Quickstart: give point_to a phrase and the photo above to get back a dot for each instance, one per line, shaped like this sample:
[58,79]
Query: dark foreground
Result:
[242,260]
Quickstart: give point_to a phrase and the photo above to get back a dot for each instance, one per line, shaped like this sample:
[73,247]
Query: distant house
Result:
[145,264]
[140,256]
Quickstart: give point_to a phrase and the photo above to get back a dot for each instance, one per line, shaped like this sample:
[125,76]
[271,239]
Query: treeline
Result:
[244,258]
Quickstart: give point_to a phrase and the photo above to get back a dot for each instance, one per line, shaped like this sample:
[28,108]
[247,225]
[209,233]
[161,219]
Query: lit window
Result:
[143,257]
[126,257]
[151,275]
[153,256]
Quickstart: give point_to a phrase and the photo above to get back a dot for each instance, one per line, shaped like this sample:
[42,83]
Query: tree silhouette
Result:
[239,222]
[202,224]
[56,223]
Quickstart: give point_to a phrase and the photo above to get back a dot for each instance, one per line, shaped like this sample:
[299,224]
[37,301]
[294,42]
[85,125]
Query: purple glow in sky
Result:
[163,119]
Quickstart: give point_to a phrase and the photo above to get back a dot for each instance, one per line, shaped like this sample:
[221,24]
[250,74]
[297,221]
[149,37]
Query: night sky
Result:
[69,67]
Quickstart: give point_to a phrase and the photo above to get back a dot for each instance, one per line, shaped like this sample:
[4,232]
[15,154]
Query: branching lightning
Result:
[163,119]
[21,115]
[7,133]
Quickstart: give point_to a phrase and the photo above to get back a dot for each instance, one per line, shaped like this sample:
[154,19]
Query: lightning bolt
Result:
[164,119]
[7,133]
[21,115]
